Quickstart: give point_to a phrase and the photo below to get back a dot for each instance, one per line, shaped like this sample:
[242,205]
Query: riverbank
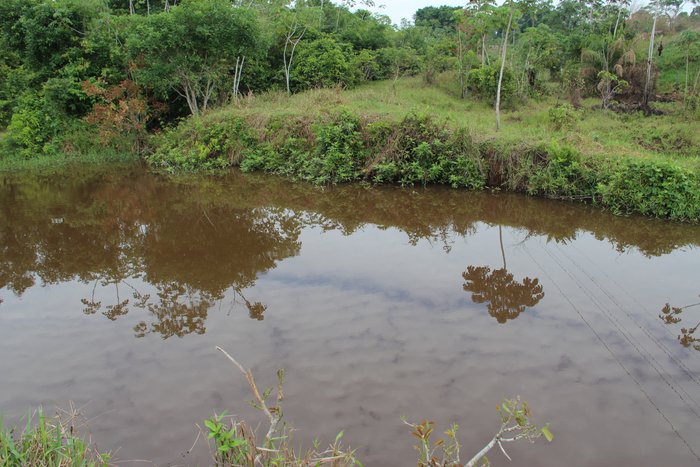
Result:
[592,158]
[409,133]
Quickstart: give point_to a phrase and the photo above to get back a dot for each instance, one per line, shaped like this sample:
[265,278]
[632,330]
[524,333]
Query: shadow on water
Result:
[196,239]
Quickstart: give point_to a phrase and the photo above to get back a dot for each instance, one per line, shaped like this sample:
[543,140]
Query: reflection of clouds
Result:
[361,296]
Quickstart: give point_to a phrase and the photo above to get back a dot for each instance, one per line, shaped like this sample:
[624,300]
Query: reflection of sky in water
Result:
[370,328]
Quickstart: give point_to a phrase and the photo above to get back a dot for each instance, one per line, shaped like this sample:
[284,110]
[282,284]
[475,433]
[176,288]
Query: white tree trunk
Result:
[650,60]
[500,74]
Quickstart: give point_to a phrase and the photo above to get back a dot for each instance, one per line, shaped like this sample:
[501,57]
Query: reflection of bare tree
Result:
[256,310]
[179,311]
[506,297]
[672,315]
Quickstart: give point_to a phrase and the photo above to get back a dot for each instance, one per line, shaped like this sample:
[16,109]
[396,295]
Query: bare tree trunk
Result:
[650,59]
[288,63]
[166,7]
[685,94]
[617,22]
[500,75]
[131,7]
[483,50]
[462,66]
[238,72]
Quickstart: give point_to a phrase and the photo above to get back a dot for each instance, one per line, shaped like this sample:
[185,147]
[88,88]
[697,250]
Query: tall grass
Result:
[49,441]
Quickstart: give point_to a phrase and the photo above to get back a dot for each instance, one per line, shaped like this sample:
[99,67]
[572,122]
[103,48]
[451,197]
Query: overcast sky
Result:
[397,9]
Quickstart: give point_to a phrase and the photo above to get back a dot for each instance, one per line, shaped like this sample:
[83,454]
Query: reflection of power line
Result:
[624,332]
[635,321]
[612,354]
[643,307]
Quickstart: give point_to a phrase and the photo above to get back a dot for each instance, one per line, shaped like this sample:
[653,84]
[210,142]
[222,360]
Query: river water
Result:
[116,286]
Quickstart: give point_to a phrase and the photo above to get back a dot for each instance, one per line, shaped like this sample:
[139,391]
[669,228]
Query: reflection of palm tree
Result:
[506,297]
[672,315]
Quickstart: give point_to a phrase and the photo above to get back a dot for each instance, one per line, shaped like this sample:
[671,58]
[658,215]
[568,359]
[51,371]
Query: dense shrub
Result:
[323,62]
[564,174]
[562,117]
[483,82]
[419,151]
[334,155]
[200,144]
[653,188]
[33,127]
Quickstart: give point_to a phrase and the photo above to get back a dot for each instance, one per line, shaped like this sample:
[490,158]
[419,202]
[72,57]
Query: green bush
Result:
[199,144]
[323,63]
[335,154]
[653,188]
[564,173]
[419,151]
[562,117]
[33,128]
[483,82]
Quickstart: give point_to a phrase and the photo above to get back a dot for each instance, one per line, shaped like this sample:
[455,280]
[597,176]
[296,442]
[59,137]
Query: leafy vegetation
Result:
[590,99]
[49,441]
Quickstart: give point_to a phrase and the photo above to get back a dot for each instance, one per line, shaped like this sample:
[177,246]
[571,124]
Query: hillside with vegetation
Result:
[583,100]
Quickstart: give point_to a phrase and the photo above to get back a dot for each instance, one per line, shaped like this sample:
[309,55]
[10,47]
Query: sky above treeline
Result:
[398,9]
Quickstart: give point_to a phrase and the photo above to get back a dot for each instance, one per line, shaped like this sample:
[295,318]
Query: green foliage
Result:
[323,63]
[653,188]
[564,174]
[445,452]
[51,441]
[562,117]
[231,445]
[33,127]
[192,49]
[416,150]
[483,82]
[202,144]
[333,155]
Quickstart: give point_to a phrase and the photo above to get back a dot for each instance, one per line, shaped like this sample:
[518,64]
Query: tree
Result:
[655,8]
[690,42]
[295,34]
[323,63]
[671,9]
[193,49]
[511,12]
[439,20]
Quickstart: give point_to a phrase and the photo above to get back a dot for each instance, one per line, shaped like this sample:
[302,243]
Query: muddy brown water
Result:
[378,302]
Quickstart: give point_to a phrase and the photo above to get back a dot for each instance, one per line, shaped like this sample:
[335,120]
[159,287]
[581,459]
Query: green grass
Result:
[50,441]
[671,136]
[60,162]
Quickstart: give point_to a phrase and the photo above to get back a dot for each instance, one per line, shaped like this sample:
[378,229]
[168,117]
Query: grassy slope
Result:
[673,135]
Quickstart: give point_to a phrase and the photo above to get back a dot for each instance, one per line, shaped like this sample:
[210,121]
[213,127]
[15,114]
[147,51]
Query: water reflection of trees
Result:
[186,248]
[674,315]
[214,236]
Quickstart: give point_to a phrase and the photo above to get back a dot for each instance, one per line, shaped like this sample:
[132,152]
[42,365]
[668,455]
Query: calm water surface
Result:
[379,302]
